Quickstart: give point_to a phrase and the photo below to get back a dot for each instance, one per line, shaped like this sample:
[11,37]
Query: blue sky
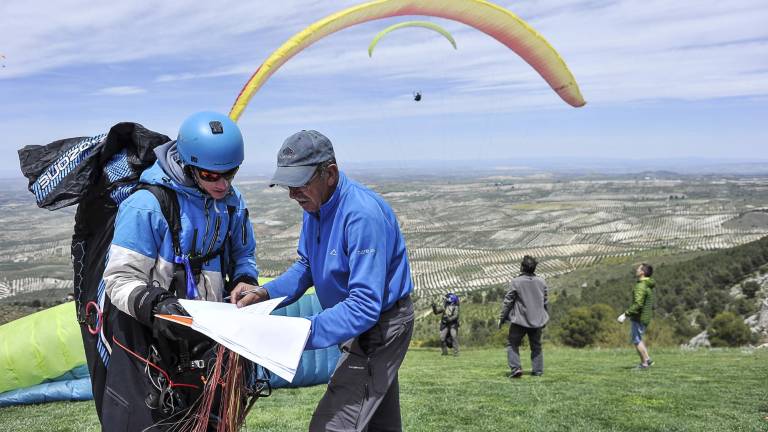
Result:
[662,79]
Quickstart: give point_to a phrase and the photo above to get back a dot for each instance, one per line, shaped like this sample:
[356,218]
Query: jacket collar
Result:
[330,206]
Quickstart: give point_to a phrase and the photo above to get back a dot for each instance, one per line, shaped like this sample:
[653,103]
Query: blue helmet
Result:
[452,298]
[211,141]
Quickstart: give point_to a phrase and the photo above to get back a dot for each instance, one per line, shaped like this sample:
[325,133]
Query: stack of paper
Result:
[275,342]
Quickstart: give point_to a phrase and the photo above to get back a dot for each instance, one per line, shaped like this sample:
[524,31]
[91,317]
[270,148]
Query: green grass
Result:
[581,390]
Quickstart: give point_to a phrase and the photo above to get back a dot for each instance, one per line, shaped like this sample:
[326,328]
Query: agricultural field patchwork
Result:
[463,233]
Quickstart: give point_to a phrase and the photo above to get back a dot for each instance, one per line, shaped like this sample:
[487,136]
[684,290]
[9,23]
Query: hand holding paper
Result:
[275,342]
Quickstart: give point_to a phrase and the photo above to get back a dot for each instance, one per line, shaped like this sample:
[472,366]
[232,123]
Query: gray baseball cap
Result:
[299,156]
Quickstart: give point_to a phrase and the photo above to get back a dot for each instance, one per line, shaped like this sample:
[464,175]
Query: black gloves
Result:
[170,306]
[168,329]
[155,300]
[501,322]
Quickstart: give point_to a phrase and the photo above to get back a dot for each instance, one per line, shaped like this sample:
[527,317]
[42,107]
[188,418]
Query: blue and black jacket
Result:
[141,257]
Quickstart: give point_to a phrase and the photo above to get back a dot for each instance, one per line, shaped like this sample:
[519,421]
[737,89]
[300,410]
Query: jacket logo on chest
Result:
[332,252]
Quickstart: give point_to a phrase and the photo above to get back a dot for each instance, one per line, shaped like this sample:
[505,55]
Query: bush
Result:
[728,329]
[603,312]
[750,288]
[579,328]
[744,307]
[716,302]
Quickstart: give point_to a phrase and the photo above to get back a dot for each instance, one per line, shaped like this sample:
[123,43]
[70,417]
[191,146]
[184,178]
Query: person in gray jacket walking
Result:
[525,307]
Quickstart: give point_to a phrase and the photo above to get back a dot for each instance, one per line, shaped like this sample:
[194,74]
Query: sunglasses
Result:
[213,176]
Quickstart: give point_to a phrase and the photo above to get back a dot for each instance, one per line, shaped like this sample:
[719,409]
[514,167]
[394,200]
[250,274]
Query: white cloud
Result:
[120,91]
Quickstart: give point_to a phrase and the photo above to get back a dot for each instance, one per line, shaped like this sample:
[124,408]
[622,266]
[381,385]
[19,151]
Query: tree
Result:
[728,329]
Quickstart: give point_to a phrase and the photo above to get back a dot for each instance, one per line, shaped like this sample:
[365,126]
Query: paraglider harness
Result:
[179,369]
[187,360]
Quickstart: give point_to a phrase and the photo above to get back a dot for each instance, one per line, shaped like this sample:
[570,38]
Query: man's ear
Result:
[333,175]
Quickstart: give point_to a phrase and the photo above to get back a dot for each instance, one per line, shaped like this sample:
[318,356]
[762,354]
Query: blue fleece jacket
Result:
[354,254]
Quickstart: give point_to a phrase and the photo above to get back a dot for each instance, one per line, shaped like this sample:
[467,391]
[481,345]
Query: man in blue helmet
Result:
[449,323]
[152,262]
[351,249]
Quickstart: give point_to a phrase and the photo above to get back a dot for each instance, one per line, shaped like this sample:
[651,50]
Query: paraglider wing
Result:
[42,357]
[424,24]
[40,347]
[491,19]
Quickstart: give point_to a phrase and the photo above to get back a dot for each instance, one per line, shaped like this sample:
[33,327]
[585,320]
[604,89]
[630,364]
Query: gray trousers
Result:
[514,340]
[453,332]
[363,393]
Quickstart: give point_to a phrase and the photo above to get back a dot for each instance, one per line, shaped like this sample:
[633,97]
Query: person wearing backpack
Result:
[449,323]
[352,251]
[525,306]
[156,369]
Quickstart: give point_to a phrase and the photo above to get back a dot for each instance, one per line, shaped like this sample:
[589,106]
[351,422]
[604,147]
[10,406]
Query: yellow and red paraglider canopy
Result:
[491,19]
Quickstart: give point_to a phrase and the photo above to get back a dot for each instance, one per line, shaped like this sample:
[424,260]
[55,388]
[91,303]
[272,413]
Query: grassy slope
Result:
[582,390]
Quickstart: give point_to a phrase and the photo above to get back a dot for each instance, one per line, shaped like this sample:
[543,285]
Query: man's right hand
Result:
[621,318]
[241,300]
[501,322]
[168,329]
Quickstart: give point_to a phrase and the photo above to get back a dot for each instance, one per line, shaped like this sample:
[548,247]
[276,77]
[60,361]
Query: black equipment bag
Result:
[96,173]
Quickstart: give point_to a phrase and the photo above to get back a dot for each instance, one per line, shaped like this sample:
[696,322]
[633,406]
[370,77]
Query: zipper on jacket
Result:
[246,219]
[216,228]
[207,223]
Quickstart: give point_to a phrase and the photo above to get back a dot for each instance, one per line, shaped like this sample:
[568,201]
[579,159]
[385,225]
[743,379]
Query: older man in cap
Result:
[351,249]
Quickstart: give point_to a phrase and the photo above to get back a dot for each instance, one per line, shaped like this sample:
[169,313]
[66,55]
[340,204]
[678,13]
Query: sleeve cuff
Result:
[145,302]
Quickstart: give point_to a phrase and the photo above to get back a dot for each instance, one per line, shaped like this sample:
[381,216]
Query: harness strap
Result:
[169,204]
[189,265]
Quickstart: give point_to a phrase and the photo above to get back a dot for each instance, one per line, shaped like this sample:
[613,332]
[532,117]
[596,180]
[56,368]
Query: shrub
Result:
[750,288]
[744,307]
[728,329]
[603,312]
[716,302]
[579,327]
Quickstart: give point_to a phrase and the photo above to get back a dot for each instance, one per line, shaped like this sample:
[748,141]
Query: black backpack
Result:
[96,173]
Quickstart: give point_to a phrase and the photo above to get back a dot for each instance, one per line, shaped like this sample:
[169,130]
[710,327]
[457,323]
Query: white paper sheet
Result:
[275,342]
